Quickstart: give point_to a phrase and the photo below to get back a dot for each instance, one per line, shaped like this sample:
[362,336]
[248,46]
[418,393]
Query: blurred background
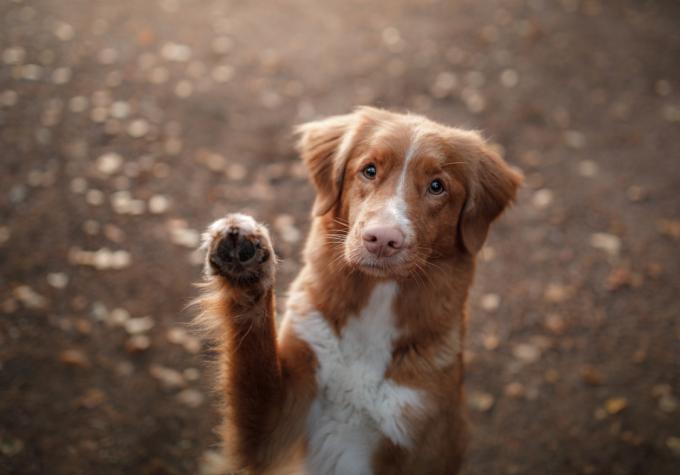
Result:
[127,126]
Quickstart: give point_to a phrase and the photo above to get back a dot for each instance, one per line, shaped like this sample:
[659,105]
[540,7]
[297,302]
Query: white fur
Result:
[356,405]
[396,208]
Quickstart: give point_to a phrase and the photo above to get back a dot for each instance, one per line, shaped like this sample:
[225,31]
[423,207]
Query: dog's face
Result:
[401,191]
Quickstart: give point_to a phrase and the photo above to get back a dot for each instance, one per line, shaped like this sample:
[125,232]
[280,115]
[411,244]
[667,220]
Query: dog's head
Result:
[400,190]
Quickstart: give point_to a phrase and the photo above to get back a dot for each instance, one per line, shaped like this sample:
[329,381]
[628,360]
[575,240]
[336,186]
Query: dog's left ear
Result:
[325,146]
[493,186]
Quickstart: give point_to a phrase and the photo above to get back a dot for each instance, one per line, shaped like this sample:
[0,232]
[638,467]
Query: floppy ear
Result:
[493,186]
[325,146]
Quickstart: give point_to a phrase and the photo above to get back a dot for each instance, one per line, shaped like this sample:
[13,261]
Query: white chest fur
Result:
[356,405]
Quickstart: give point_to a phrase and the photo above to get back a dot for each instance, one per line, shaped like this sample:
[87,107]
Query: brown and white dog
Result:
[364,375]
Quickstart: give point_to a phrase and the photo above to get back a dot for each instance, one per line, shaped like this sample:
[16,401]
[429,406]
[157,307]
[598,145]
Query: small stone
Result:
[64,31]
[588,168]
[191,374]
[606,242]
[481,401]
[139,325]
[168,377]
[74,358]
[673,443]
[671,113]
[29,297]
[213,462]
[118,317]
[14,55]
[236,171]
[179,336]
[172,146]
[668,403]
[556,293]
[615,405]
[391,36]
[514,390]
[555,323]
[185,237]
[222,44]
[78,104]
[159,204]
[31,72]
[542,198]
[61,75]
[11,446]
[490,302]
[473,99]
[159,75]
[574,139]
[120,110]
[284,225]
[527,352]
[663,87]
[176,52]
[9,98]
[191,398]
[91,227]
[490,341]
[123,203]
[509,78]
[184,89]
[444,84]
[94,197]
[107,56]
[109,163]
[636,193]
[99,114]
[58,280]
[138,344]
[138,128]
[102,259]
[222,73]
[660,390]
[5,234]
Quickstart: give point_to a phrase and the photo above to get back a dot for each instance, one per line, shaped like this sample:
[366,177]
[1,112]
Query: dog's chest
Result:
[356,405]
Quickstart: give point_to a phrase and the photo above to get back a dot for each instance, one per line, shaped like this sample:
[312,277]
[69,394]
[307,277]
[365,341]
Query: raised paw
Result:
[240,251]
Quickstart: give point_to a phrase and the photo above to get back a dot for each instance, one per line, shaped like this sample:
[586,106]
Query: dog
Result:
[365,373]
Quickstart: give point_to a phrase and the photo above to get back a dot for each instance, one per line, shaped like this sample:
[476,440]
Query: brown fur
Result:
[269,381]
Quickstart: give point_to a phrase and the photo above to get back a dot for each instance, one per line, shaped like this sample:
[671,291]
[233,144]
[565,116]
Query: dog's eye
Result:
[436,187]
[370,171]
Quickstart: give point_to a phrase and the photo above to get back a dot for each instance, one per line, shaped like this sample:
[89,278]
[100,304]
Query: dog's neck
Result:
[426,302]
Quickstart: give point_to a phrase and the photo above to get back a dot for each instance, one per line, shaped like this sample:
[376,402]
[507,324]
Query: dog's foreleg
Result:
[239,269]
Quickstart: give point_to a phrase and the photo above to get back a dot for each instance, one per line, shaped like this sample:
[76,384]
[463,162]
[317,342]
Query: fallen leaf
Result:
[615,405]
[670,228]
[592,375]
[74,358]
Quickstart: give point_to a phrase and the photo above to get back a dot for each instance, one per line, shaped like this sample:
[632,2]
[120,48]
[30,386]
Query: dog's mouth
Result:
[382,266]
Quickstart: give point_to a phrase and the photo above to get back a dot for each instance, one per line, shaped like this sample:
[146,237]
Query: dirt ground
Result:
[126,127]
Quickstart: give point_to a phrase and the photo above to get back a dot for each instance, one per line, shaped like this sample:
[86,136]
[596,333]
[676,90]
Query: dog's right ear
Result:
[325,145]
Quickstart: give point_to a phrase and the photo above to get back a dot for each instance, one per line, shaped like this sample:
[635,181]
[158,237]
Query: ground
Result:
[126,127]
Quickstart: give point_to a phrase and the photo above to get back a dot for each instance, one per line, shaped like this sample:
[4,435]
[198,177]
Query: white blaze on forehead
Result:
[397,207]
